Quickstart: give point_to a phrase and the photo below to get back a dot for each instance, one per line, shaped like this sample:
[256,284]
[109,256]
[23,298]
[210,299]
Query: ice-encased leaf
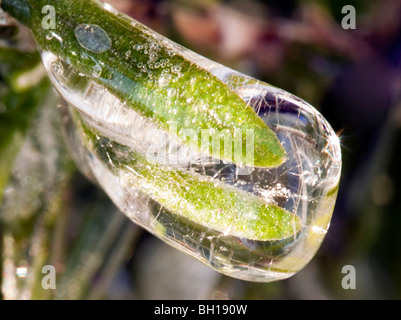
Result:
[137,64]
[122,93]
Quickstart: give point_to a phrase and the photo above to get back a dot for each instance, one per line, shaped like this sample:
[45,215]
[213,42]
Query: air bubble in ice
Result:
[96,71]
[177,68]
[93,38]
[164,79]
[57,67]
[153,56]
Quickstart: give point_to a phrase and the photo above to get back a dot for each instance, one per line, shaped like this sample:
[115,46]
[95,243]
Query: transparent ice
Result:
[305,184]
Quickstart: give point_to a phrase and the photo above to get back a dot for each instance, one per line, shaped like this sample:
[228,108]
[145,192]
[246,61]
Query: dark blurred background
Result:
[351,76]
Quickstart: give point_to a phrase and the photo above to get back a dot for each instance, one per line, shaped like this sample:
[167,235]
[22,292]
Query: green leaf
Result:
[201,199]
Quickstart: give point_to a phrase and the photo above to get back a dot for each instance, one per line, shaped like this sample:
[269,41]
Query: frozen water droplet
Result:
[92,38]
[137,47]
